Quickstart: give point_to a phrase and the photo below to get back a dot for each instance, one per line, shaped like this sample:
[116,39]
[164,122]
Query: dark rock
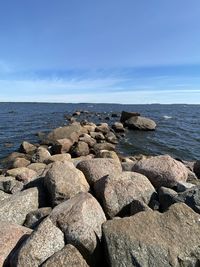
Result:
[127,115]
[197,168]
[140,123]
[34,218]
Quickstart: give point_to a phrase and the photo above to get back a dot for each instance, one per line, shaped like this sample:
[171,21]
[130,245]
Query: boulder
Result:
[15,208]
[108,154]
[87,139]
[162,170]
[40,155]
[20,162]
[95,169]
[103,128]
[154,239]
[69,256]
[80,149]
[27,148]
[10,185]
[190,197]
[183,186]
[10,235]
[23,174]
[58,157]
[125,115]
[111,138]
[62,146]
[116,193]
[97,136]
[118,127]
[140,123]
[64,181]
[103,146]
[39,168]
[35,217]
[80,218]
[46,240]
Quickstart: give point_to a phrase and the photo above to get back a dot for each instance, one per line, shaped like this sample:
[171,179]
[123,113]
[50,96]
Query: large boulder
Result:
[95,169]
[150,238]
[46,240]
[10,235]
[162,170]
[69,256]
[140,123]
[116,193]
[23,174]
[80,218]
[125,115]
[15,207]
[64,181]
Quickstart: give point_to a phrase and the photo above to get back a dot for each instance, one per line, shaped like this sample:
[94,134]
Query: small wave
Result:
[167,117]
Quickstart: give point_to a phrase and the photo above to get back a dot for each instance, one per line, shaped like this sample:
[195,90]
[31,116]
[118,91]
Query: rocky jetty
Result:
[73,200]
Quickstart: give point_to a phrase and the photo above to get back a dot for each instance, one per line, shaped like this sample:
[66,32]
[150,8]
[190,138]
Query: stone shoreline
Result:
[72,200]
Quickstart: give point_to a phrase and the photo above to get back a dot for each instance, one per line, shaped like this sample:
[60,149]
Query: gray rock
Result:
[140,123]
[15,208]
[162,170]
[10,235]
[10,185]
[95,169]
[34,218]
[22,174]
[118,127]
[111,138]
[80,149]
[116,193]
[20,162]
[87,139]
[97,136]
[27,148]
[39,168]
[103,128]
[80,218]
[154,239]
[103,146]
[183,186]
[138,206]
[62,146]
[69,256]
[125,115]
[64,181]
[40,155]
[108,154]
[58,157]
[46,240]
[197,168]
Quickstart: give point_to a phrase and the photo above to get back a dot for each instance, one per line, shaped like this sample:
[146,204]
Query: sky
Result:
[111,51]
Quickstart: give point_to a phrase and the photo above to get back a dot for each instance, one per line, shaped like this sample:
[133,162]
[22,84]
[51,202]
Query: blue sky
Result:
[100,51]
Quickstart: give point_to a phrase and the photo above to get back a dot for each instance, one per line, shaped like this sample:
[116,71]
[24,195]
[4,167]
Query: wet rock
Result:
[151,238]
[39,168]
[46,240]
[118,127]
[95,169]
[15,208]
[140,123]
[62,146]
[64,181]
[40,155]
[111,138]
[116,193]
[80,149]
[87,139]
[20,162]
[10,235]
[23,174]
[162,170]
[58,157]
[125,115]
[34,218]
[69,256]
[80,218]
[27,148]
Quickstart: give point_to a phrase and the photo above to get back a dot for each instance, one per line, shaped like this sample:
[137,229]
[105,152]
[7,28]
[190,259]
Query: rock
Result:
[103,146]
[10,185]
[39,168]
[97,136]
[116,193]
[4,195]
[34,218]
[79,159]
[128,166]
[10,235]
[102,128]
[46,240]
[140,123]
[108,154]
[118,127]
[90,127]
[8,161]
[58,157]
[114,115]
[64,181]
[95,169]
[15,208]
[111,138]
[162,170]
[87,139]
[80,218]
[40,155]
[27,148]
[71,132]
[154,239]
[197,168]
[23,174]
[62,146]
[80,149]
[69,256]
[20,162]
[125,115]
[183,186]
[138,206]
[76,113]
[190,197]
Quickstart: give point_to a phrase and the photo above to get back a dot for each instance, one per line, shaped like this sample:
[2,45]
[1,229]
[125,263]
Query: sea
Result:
[177,132]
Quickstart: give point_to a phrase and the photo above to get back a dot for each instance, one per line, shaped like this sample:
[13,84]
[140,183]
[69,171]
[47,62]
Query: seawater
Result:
[177,133]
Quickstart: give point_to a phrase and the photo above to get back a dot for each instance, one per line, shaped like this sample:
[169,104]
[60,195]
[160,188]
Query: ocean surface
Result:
[177,133]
